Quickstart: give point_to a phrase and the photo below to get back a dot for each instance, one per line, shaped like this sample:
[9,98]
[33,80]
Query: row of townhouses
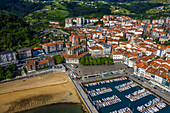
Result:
[9,57]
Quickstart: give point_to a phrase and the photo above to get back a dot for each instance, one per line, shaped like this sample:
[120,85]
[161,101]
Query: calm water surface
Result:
[125,102]
[57,108]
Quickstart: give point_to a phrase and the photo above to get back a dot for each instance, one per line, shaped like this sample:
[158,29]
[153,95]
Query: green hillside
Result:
[15,33]
[18,7]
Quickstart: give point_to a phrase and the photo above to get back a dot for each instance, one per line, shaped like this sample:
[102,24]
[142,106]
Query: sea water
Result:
[57,108]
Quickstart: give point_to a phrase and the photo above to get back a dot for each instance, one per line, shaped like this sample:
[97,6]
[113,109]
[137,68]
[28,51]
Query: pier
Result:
[151,105]
[97,91]
[138,94]
[130,85]
[106,101]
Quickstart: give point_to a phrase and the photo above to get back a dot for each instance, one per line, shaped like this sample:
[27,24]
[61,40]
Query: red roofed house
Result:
[52,46]
[140,69]
[117,57]
[45,62]
[33,65]
[74,54]
[37,51]
[30,65]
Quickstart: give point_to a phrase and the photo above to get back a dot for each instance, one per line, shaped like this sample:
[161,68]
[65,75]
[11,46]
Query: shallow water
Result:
[57,108]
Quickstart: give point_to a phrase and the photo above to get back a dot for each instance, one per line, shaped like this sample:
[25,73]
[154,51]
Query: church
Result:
[75,52]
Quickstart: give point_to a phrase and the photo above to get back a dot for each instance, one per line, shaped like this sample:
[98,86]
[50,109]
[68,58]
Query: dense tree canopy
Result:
[59,59]
[9,72]
[88,60]
[139,8]
[18,7]
[87,11]
[15,33]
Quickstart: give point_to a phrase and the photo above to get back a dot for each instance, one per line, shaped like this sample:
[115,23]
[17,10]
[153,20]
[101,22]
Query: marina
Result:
[100,91]
[123,96]
[105,81]
[126,86]
[123,110]
[106,101]
[152,106]
[138,95]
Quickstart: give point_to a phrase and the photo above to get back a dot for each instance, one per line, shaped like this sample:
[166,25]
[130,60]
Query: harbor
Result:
[122,95]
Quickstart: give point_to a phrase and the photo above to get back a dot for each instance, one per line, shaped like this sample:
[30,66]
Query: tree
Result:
[94,61]
[86,58]
[102,60]
[106,62]
[164,57]
[58,59]
[9,74]
[90,58]
[12,67]
[98,61]
[86,62]
[144,54]
[25,70]
[99,22]
[2,74]
[144,36]
[111,61]
[91,62]
[157,57]
[82,60]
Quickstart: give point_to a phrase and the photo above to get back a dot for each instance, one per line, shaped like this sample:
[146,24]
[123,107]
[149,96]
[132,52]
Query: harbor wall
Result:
[87,107]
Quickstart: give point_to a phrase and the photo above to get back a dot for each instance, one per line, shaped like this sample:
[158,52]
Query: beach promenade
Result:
[84,97]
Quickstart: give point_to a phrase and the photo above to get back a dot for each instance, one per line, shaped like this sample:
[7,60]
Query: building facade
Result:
[74,54]
[8,57]
[25,53]
[69,22]
[52,47]
[33,65]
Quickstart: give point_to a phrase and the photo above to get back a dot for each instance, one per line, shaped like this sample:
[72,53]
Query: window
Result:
[153,76]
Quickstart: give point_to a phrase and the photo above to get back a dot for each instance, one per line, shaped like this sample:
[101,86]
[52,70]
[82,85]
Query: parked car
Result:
[154,87]
[74,66]
[162,91]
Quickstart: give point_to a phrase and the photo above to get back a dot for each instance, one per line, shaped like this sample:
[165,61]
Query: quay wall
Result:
[89,110]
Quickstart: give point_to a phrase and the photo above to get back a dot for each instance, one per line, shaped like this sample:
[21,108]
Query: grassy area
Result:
[55,12]
[165,9]
[95,9]
[119,9]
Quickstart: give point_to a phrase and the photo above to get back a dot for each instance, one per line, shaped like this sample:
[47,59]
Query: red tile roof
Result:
[74,55]
[45,60]
[74,47]
[52,43]
[30,62]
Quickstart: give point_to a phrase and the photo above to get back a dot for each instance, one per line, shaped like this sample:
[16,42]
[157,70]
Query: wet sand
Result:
[35,92]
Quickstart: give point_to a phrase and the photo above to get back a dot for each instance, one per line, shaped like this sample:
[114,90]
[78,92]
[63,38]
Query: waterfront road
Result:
[155,89]
[84,96]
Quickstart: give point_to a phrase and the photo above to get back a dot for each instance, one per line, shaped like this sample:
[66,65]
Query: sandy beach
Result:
[38,91]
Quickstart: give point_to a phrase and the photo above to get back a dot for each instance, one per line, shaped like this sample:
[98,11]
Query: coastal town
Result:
[136,51]
[123,39]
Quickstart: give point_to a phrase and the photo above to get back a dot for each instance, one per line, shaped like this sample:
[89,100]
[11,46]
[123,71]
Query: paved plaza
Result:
[94,69]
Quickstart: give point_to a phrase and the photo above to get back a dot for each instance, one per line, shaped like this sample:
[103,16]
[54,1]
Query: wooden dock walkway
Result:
[151,106]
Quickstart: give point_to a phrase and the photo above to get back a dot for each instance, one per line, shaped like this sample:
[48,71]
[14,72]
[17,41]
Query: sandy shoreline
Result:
[36,92]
